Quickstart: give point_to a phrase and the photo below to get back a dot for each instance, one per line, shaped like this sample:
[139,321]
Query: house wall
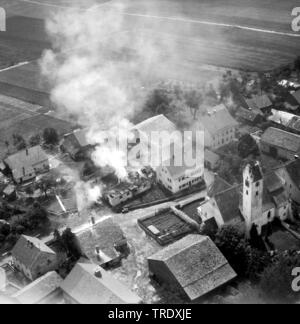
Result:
[175,185]
[39,268]
[221,138]
[292,190]
[281,152]
[160,273]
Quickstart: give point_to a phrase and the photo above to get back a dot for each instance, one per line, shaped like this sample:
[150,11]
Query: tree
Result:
[248,262]
[276,279]
[247,145]
[19,142]
[193,99]
[46,184]
[50,136]
[233,245]
[35,140]
[69,241]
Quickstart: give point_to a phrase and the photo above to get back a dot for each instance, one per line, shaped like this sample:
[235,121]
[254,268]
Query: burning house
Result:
[136,185]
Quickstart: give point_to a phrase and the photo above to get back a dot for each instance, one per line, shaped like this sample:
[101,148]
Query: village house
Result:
[89,284]
[194,266]
[105,244]
[176,177]
[33,257]
[290,174]
[211,160]
[26,164]
[293,101]
[280,144]
[219,127]
[260,103]
[152,140]
[258,201]
[44,290]
[289,121]
[76,144]
[251,117]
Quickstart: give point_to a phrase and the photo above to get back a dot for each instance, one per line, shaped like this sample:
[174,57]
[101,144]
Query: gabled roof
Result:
[29,249]
[249,115]
[219,185]
[157,123]
[176,170]
[40,289]
[282,139]
[228,203]
[259,102]
[293,170]
[104,235]
[296,96]
[211,156]
[83,286]
[217,119]
[197,265]
[26,159]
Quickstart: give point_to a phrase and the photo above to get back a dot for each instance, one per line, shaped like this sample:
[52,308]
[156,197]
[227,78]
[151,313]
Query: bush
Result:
[276,279]
[50,136]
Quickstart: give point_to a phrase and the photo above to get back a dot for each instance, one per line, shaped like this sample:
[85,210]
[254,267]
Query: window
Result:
[257,184]
[257,193]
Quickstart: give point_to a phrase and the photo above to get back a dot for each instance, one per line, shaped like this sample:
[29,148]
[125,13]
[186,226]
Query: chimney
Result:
[93,220]
[27,153]
[98,274]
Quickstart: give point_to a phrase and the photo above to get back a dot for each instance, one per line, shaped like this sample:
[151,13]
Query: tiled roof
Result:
[217,120]
[197,265]
[219,185]
[39,289]
[156,124]
[296,95]
[249,115]
[282,139]
[229,202]
[259,102]
[104,235]
[28,250]
[293,170]
[26,159]
[83,286]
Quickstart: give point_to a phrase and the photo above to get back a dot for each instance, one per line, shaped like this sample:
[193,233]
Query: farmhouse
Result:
[176,177]
[194,266]
[219,127]
[290,121]
[280,144]
[293,100]
[290,174]
[33,257]
[44,290]
[76,144]
[154,138]
[211,160]
[104,244]
[260,103]
[89,284]
[252,117]
[260,200]
[25,165]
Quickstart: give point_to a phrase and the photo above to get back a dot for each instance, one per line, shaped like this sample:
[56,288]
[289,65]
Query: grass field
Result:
[185,44]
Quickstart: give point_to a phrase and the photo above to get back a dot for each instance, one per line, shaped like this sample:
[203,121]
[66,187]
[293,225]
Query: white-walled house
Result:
[26,164]
[219,127]
[33,257]
[177,175]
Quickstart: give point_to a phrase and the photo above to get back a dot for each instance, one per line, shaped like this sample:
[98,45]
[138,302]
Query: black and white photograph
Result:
[149,154]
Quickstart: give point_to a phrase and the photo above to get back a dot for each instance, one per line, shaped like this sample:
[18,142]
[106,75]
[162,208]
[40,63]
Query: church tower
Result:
[252,194]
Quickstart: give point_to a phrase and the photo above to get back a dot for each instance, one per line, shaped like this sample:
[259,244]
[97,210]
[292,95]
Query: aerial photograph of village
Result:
[149,153]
